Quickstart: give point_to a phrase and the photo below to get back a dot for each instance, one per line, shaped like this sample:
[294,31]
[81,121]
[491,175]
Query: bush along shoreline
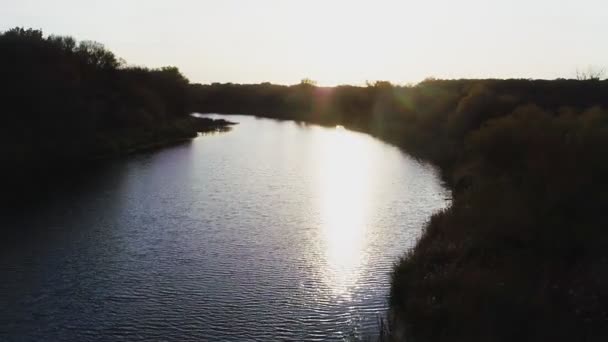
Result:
[522,253]
[181,130]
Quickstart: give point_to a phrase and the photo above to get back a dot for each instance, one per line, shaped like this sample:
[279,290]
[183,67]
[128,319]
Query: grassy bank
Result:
[522,254]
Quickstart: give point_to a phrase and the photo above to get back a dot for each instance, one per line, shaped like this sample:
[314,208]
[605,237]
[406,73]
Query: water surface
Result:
[272,231]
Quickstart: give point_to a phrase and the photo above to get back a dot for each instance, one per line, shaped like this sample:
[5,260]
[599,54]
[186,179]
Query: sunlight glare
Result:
[345,179]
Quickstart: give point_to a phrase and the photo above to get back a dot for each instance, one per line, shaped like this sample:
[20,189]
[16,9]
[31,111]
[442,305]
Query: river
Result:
[272,231]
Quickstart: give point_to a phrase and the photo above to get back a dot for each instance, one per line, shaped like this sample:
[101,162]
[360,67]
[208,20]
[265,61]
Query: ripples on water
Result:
[272,231]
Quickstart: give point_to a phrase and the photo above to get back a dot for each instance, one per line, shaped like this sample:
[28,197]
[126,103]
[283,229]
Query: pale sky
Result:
[334,42]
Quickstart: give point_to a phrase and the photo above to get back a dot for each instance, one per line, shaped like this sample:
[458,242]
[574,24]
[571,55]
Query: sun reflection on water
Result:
[345,180]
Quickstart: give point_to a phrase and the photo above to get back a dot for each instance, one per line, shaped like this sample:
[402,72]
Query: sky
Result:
[334,41]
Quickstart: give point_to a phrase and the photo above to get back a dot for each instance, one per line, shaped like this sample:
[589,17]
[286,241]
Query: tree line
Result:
[65,101]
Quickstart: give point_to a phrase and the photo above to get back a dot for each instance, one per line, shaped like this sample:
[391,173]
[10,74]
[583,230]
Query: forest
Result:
[65,102]
[522,253]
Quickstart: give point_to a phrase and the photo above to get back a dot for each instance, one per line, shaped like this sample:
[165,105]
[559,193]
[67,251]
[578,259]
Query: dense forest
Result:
[522,253]
[65,101]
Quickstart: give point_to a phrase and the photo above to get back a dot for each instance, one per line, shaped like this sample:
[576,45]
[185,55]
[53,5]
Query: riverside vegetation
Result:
[522,253]
[64,102]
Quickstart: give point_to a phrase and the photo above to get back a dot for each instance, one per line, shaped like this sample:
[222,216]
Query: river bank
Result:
[36,171]
[183,130]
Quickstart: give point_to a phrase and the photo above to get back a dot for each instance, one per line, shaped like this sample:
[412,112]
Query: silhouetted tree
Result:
[66,101]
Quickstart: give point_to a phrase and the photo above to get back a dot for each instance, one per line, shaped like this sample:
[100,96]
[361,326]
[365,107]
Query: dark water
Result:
[272,231]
